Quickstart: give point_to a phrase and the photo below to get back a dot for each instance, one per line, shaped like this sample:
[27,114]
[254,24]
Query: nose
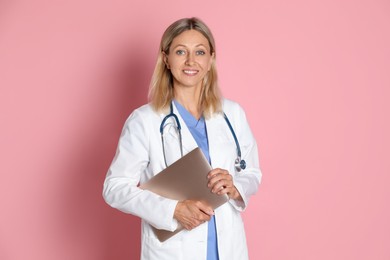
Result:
[190,58]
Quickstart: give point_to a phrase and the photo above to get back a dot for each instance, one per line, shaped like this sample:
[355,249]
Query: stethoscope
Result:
[238,163]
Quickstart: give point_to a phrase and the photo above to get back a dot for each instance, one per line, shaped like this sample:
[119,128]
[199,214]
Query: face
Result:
[189,59]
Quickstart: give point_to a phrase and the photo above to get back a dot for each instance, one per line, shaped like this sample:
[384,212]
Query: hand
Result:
[192,213]
[221,182]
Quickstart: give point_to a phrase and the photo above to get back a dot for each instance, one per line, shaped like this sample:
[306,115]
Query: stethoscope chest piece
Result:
[240,164]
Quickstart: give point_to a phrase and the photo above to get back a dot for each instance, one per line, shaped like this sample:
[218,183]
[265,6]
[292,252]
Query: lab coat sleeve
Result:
[246,181]
[120,186]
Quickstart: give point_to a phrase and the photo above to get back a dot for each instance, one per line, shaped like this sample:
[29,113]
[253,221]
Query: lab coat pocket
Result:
[153,249]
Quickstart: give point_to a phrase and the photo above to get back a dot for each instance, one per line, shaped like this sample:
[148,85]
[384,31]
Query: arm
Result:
[239,186]
[131,160]
[247,181]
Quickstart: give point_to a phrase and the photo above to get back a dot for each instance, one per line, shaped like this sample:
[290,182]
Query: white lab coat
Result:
[140,156]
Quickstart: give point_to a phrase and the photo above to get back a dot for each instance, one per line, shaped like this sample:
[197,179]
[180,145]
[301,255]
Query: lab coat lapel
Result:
[214,127]
[222,147]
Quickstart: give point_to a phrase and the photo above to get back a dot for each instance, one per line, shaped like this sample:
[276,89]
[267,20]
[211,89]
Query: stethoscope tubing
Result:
[239,164]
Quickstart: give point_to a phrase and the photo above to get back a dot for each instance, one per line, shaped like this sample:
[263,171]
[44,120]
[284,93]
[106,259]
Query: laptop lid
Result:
[184,179]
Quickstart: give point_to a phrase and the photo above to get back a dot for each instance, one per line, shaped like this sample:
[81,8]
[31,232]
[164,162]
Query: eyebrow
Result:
[182,45]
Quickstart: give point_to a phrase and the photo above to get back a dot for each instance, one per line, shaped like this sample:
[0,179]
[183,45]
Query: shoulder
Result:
[144,111]
[235,113]
[231,107]
[142,115]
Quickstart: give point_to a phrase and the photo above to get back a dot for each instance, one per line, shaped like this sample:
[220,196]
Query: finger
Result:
[187,223]
[190,223]
[195,222]
[221,187]
[218,176]
[215,172]
[205,209]
[225,180]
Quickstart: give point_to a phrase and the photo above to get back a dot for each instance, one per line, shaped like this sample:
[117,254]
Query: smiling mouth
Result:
[190,72]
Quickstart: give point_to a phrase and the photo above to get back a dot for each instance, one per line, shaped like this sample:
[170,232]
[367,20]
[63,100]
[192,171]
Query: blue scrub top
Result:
[199,132]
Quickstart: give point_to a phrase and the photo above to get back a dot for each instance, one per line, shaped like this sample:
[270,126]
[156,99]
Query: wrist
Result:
[236,195]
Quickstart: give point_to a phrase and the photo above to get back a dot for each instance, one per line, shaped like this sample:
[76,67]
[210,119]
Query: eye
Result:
[180,52]
[200,52]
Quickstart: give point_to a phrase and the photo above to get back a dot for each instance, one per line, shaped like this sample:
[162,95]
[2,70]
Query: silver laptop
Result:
[184,179]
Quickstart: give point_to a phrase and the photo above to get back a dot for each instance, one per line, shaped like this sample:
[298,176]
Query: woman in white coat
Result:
[185,83]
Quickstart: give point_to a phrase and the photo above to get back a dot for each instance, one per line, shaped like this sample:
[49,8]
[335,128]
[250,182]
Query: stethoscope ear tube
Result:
[162,132]
[167,117]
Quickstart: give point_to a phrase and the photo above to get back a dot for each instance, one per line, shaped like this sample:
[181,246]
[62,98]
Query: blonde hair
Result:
[161,87]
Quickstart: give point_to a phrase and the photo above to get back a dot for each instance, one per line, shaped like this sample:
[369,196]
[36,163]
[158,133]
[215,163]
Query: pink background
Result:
[313,76]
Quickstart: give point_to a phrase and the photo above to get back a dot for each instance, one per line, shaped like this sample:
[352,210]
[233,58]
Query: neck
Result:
[190,100]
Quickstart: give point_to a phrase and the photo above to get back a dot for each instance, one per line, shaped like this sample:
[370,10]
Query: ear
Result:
[165,59]
[212,59]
